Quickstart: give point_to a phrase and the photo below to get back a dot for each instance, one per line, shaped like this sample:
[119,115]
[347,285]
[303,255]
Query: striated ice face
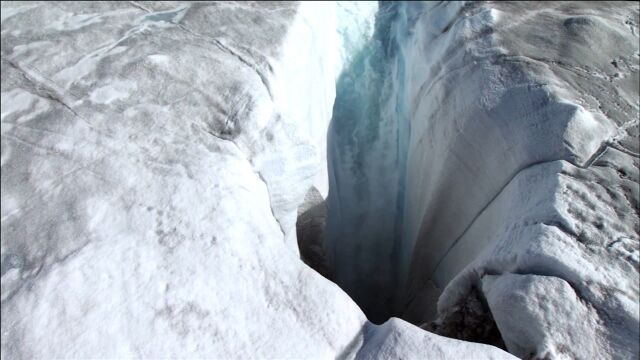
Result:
[465,143]
[367,150]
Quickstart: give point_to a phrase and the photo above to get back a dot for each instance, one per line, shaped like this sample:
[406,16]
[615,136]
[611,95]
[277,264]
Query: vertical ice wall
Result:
[367,149]
[439,119]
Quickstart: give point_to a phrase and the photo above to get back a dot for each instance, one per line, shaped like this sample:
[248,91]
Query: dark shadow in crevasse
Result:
[366,148]
[310,226]
[354,238]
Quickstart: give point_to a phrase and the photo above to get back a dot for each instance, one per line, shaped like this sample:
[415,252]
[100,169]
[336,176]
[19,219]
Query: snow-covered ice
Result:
[169,167]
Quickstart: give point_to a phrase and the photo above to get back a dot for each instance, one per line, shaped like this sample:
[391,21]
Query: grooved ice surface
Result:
[523,160]
[154,155]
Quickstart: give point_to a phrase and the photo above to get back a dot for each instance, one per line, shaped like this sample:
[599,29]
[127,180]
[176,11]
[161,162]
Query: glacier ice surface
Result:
[161,160]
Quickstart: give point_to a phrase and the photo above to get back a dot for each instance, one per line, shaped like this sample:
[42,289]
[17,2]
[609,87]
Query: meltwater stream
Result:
[367,147]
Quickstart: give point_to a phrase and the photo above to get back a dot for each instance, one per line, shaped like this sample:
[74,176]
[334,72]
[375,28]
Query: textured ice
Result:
[529,168]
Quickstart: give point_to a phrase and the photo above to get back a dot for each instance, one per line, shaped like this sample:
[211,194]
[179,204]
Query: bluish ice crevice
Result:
[367,150]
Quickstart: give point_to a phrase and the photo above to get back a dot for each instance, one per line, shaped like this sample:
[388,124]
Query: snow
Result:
[388,341]
[110,93]
[513,297]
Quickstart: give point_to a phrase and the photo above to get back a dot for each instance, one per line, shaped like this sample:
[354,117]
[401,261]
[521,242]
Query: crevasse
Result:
[367,149]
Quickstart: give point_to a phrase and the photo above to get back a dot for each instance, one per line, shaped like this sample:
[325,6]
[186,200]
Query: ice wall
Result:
[303,99]
[486,107]
[500,95]
[367,147]
[448,109]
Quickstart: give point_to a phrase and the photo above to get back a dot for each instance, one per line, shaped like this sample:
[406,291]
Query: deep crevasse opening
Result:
[363,246]
[353,238]
[367,145]
[357,237]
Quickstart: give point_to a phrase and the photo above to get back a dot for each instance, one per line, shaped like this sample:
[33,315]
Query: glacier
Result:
[451,180]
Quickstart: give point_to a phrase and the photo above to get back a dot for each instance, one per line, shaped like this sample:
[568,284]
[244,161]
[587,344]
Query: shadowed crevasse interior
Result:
[366,155]
[354,237]
[437,119]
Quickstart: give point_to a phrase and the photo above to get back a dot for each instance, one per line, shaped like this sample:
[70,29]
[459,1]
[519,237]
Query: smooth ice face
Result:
[529,169]
[368,141]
